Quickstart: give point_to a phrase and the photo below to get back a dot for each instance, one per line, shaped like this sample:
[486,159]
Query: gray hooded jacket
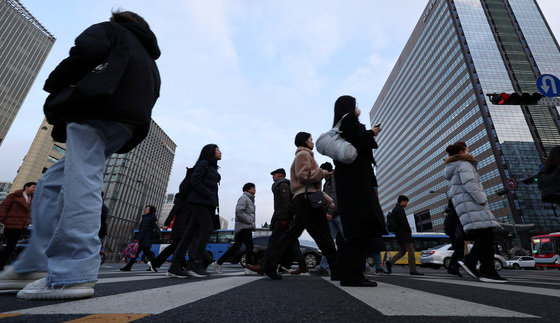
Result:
[467,193]
[245,212]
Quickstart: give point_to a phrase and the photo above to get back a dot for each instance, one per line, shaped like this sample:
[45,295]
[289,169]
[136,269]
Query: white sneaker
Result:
[38,290]
[12,280]
[218,268]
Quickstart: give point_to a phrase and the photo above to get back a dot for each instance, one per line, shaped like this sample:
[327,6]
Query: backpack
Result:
[131,250]
[186,186]
[391,225]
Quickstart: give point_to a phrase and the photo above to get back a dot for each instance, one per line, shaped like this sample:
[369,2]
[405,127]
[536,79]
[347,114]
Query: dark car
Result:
[312,255]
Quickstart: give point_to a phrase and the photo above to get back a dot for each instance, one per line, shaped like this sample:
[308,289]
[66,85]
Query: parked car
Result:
[311,254]
[441,256]
[519,262]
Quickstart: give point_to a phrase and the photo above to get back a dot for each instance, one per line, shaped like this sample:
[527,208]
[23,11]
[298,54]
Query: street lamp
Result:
[446,194]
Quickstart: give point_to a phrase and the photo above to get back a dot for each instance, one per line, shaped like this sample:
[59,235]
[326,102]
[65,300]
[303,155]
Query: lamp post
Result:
[143,205]
[446,194]
[503,194]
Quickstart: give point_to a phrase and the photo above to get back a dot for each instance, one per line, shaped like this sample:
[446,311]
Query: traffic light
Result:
[515,98]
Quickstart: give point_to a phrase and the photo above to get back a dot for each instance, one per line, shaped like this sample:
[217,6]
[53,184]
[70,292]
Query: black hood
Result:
[146,37]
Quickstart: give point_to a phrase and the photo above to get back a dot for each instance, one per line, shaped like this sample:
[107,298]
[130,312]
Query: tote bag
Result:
[333,145]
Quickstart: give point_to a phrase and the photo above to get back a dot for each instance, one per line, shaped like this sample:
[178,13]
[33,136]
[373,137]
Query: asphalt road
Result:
[140,296]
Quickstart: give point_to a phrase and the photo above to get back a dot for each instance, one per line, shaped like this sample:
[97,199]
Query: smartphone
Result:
[378,125]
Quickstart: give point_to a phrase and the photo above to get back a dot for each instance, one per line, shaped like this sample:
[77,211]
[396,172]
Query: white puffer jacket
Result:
[245,212]
[467,193]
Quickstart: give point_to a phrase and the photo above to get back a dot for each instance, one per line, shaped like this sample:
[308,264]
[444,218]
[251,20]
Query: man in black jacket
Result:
[404,236]
[101,101]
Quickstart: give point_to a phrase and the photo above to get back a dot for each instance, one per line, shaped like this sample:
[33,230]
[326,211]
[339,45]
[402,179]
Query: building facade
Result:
[130,182]
[24,46]
[459,52]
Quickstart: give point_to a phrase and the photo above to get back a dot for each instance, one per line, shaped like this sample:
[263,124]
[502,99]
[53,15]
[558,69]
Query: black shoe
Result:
[125,268]
[380,272]
[272,274]
[177,272]
[494,278]
[359,283]
[415,273]
[454,271]
[389,266]
[471,270]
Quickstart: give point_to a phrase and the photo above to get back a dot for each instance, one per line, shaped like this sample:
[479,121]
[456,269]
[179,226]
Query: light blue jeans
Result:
[67,206]
[335,225]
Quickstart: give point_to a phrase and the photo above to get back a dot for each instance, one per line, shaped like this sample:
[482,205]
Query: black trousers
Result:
[458,252]
[354,257]
[292,252]
[482,250]
[11,236]
[147,252]
[243,237]
[199,229]
[312,219]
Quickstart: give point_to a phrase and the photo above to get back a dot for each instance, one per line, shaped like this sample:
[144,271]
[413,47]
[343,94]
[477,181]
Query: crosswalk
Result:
[398,295]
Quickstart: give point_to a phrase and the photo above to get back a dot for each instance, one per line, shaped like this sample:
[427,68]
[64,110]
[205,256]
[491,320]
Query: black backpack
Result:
[186,186]
[391,225]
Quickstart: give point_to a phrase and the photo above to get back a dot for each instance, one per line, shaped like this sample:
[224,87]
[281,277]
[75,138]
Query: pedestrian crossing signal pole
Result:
[515,98]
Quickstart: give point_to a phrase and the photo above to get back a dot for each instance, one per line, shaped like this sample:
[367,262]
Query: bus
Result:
[421,240]
[218,243]
[546,249]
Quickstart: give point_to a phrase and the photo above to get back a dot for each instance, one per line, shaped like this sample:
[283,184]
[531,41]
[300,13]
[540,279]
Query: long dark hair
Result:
[553,160]
[343,105]
[208,153]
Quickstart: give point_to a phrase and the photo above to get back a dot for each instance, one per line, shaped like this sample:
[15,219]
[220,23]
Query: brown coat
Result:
[14,211]
[304,162]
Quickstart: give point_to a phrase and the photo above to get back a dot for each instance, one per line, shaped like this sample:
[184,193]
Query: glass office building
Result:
[24,46]
[459,52]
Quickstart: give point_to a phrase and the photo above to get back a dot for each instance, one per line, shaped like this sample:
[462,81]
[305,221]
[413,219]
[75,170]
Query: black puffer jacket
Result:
[124,90]
[205,179]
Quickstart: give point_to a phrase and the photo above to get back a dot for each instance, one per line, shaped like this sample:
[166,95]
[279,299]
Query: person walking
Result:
[244,227]
[454,229]
[305,175]
[101,101]
[357,202]
[15,215]
[549,178]
[471,205]
[144,238]
[282,217]
[201,202]
[404,236]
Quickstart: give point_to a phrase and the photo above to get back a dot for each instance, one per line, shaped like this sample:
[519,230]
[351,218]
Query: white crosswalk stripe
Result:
[175,296]
[395,300]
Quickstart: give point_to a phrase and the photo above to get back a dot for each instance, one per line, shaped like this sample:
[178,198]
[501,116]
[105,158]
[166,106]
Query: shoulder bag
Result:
[333,145]
[316,199]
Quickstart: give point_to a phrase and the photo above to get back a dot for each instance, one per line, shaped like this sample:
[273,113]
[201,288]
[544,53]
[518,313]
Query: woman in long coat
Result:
[471,205]
[361,214]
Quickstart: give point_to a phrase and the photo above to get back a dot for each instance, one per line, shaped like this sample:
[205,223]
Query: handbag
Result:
[333,145]
[316,199]
[131,250]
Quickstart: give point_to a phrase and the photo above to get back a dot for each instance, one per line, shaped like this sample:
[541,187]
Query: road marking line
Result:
[120,318]
[142,302]
[393,300]
[500,286]
[3,316]
[129,279]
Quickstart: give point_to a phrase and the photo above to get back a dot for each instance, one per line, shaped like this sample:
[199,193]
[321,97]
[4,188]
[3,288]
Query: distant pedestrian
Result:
[104,215]
[358,204]
[282,218]
[471,204]
[244,227]
[304,171]
[201,202]
[101,101]
[333,218]
[549,177]
[144,237]
[15,215]
[454,229]
[404,235]
[377,246]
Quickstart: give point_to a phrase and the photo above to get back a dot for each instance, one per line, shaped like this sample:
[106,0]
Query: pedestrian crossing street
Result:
[391,298]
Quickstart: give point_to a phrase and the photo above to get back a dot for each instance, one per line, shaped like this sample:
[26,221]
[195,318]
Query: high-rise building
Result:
[24,46]
[130,182]
[459,52]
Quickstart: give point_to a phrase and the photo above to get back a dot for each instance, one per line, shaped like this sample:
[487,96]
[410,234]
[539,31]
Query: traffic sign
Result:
[548,85]
[511,183]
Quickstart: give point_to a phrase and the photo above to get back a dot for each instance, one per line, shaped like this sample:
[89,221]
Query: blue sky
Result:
[246,75]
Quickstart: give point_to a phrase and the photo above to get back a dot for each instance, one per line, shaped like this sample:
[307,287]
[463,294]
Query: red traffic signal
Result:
[515,98]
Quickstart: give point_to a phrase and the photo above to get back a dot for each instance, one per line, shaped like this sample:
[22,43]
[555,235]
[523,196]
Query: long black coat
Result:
[125,90]
[403,231]
[144,237]
[205,179]
[358,204]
